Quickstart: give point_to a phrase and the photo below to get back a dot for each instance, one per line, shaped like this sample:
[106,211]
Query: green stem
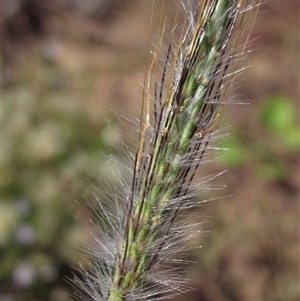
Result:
[186,112]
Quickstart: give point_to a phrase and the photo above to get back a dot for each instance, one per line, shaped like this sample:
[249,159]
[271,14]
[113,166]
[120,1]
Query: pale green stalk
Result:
[187,116]
[177,126]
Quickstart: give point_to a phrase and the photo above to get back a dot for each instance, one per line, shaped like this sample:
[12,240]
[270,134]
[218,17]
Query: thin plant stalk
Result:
[197,59]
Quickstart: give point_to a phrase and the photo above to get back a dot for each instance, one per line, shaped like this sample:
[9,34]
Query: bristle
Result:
[197,57]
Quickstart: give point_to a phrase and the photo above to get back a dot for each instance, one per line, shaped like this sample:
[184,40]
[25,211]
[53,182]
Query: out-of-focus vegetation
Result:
[65,65]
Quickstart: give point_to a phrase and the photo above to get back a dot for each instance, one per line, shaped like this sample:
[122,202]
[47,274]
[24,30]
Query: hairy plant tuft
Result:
[194,62]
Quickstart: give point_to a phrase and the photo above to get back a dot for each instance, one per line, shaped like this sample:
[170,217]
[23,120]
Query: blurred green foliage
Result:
[50,149]
[278,120]
[279,117]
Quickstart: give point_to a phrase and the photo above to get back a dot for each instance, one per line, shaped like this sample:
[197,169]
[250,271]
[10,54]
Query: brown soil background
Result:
[84,59]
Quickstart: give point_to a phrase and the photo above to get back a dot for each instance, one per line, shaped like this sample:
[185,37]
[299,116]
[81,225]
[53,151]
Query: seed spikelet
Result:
[197,57]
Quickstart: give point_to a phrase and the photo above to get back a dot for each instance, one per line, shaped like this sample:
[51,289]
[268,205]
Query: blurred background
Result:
[68,66]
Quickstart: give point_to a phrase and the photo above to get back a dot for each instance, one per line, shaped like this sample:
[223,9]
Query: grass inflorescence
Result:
[196,55]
